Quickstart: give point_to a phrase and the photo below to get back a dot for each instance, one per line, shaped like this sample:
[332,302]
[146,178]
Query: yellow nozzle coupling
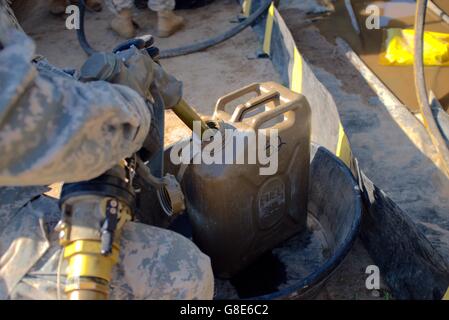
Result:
[89,272]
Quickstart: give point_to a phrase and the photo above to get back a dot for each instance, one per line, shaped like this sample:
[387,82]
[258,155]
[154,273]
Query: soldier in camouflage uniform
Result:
[167,22]
[55,128]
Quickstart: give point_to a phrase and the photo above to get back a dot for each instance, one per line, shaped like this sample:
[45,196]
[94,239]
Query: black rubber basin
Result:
[300,266]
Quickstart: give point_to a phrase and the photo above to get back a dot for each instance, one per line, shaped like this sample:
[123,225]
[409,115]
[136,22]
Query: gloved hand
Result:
[134,63]
[168,87]
[136,71]
[132,68]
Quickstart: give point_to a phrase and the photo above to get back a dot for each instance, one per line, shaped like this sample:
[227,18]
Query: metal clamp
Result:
[109,226]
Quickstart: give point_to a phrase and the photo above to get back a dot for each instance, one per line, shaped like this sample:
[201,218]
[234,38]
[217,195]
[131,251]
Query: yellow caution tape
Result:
[296,84]
[268,30]
[343,148]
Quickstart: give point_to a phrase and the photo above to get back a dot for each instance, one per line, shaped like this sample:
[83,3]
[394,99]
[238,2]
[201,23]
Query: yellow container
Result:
[399,48]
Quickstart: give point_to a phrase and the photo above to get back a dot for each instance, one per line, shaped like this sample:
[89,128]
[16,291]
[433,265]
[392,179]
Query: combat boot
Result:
[168,23]
[94,5]
[57,7]
[123,24]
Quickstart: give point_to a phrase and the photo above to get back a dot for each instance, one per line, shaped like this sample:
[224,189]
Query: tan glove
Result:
[131,68]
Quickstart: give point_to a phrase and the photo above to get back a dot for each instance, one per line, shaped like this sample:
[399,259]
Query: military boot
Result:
[94,5]
[123,24]
[57,7]
[168,23]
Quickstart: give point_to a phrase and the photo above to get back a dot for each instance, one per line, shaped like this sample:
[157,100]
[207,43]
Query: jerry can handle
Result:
[261,118]
[224,100]
[254,102]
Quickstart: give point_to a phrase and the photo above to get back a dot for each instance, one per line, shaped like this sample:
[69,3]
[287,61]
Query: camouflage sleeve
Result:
[54,128]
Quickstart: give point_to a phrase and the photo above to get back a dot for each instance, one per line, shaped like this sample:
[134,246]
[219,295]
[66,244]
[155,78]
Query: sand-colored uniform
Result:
[55,128]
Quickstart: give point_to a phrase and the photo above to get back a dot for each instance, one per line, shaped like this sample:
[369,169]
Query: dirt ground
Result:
[206,76]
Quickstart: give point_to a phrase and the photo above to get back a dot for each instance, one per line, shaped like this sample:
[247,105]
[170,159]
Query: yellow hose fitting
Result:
[94,213]
[89,272]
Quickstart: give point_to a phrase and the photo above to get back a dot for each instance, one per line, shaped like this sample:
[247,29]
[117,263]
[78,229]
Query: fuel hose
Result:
[184,50]
[420,86]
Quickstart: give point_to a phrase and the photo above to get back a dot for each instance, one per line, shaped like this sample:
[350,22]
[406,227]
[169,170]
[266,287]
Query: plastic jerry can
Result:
[236,212]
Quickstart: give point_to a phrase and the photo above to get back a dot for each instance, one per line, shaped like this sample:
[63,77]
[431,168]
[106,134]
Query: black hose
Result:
[80,32]
[420,86]
[169,53]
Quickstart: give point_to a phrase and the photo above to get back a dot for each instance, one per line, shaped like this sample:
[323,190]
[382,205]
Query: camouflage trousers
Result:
[155,5]
[154,263]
